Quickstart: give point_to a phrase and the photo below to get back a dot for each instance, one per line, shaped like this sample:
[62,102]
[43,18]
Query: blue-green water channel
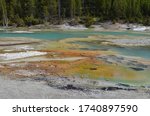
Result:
[143,52]
[61,35]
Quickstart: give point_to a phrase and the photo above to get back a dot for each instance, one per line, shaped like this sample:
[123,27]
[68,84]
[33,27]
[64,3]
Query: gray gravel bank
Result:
[66,88]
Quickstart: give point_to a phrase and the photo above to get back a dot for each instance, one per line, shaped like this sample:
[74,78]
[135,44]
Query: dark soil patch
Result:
[71,87]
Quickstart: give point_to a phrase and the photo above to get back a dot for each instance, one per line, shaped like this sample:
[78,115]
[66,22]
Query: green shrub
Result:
[31,21]
[89,21]
[20,22]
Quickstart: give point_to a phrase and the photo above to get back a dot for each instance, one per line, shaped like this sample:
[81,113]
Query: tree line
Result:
[32,12]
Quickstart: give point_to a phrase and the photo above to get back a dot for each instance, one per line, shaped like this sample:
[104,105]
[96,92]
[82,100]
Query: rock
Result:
[137,69]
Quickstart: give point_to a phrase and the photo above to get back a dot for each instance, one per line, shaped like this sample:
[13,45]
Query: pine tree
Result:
[59,9]
[78,11]
[4,13]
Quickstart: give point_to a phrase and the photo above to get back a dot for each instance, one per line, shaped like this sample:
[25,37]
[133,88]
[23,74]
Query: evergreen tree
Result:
[4,13]
[31,12]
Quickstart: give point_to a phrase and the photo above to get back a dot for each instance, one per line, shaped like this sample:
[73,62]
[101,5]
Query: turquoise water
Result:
[129,51]
[44,35]
[62,35]
[142,52]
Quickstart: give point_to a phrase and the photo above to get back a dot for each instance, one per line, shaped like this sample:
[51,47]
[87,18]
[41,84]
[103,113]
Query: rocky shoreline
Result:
[67,27]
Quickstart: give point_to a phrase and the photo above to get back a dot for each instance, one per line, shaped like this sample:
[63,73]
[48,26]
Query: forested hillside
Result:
[31,12]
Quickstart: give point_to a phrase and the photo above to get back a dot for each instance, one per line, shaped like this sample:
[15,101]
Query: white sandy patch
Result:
[21,32]
[12,56]
[142,28]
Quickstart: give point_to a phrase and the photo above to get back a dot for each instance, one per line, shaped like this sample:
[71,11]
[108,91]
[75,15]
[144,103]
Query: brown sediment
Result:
[73,53]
